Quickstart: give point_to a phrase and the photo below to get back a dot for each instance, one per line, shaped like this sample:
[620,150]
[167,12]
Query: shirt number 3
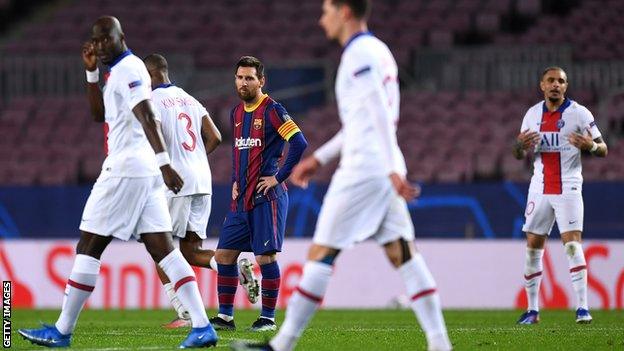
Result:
[189,130]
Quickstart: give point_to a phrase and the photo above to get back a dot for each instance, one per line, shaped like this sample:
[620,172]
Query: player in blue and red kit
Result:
[256,222]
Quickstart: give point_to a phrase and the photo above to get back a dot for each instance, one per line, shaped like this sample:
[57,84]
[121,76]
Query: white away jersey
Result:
[557,165]
[367,93]
[181,118]
[129,152]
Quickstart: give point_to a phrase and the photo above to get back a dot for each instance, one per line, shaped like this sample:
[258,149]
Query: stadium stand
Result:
[461,105]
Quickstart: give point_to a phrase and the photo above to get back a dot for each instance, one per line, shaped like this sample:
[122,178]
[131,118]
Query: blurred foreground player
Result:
[557,129]
[257,219]
[128,198]
[182,120]
[367,195]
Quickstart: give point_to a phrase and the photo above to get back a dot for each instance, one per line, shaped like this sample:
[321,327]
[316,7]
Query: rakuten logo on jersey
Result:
[247,143]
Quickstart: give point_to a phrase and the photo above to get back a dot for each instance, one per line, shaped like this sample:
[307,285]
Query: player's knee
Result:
[266,258]
[225,256]
[398,252]
[329,258]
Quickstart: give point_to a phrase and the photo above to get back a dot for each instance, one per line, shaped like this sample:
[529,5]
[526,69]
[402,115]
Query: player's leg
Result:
[227,283]
[421,288]
[193,232]
[180,273]
[195,255]
[107,193]
[539,219]
[569,212]
[154,226]
[183,318]
[396,236]
[233,239]
[268,225]
[270,284]
[307,297]
[79,287]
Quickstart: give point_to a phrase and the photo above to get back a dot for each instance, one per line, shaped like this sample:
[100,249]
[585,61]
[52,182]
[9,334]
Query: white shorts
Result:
[125,207]
[542,210]
[355,212]
[189,214]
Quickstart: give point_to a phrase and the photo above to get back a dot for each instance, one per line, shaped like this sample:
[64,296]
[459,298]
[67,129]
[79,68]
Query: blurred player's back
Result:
[368,64]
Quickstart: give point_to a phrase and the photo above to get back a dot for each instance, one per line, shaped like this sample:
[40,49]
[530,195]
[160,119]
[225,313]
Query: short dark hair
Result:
[553,68]
[361,8]
[250,61]
[156,60]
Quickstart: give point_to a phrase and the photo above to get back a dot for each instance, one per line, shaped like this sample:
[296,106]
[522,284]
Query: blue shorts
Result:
[260,230]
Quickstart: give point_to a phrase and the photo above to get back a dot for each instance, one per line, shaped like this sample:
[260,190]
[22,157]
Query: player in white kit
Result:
[557,129]
[128,198]
[190,135]
[367,195]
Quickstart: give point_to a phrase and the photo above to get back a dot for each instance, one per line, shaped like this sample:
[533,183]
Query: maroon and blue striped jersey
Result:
[259,136]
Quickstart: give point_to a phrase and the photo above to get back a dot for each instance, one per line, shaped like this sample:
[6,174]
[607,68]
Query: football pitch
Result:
[346,330]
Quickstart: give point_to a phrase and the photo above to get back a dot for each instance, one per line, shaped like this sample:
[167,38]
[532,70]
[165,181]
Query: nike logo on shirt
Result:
[237,124]
[266,242]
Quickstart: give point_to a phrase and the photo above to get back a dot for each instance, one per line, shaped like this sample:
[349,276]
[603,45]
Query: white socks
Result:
[303,304]
[175,302]
[533,276]
[182,277]
[578,272]
[425,302]
[79,286]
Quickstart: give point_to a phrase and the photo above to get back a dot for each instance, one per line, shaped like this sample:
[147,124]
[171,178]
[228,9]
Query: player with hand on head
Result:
[557,129]
[367,195]
[128,198]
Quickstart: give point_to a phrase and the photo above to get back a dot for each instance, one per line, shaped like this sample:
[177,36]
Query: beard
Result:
[246,95]
[554,99]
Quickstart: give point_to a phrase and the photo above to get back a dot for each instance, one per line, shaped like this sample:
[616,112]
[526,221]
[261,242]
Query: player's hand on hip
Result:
[304,170]
[88,56]
[234,191]
[527,139]
[404,188]
[583,142]
[172,179]
[265,184]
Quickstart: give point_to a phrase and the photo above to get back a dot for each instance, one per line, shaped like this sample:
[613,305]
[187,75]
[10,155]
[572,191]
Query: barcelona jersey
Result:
[259,136]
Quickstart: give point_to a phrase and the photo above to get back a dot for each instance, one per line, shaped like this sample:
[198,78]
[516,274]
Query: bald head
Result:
[108,39]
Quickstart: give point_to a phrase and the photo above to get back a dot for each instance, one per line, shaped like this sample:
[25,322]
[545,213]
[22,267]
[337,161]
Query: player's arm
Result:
[144,112]
[595,146]
[94,93]
[210,134]
[525,141]
[592,140]
[305,169]
[375,101]
[297,144]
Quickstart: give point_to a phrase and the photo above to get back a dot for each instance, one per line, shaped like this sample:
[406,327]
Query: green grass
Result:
[348,330]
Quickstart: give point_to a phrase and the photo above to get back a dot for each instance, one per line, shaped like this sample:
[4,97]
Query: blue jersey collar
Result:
[566,104]
[355,36]
[128,52]
[163,85]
